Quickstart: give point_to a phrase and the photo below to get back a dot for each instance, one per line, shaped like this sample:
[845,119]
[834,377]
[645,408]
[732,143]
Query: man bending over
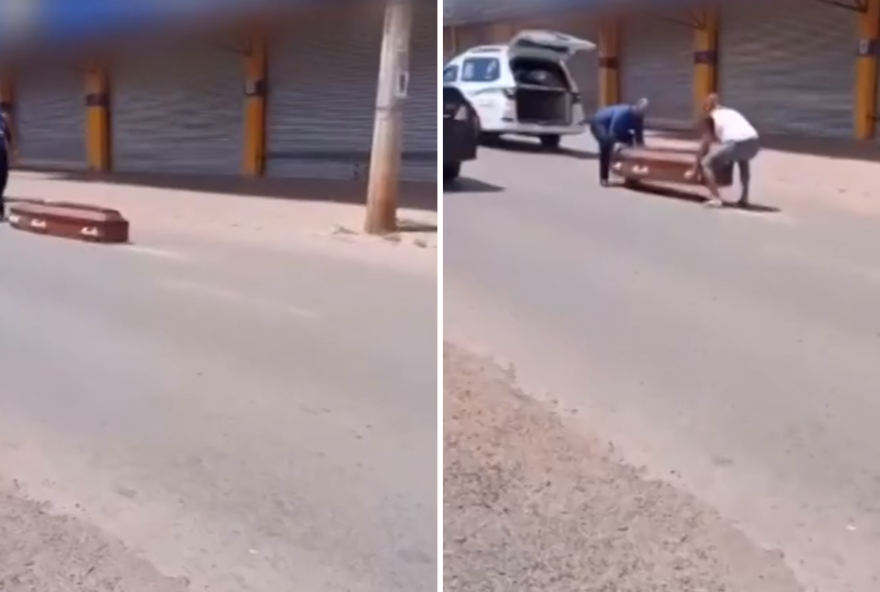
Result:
[617,124]
[729,139]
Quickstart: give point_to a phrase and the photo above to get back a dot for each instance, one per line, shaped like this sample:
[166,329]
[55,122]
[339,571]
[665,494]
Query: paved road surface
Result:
[734,354]
[242,419]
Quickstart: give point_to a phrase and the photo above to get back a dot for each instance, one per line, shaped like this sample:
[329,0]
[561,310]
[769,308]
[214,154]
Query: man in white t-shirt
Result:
[729,139]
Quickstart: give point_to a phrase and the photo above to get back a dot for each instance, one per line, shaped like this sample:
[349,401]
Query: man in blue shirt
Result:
[617,124]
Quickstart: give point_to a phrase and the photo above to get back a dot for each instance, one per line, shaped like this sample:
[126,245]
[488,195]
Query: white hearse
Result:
[523,87]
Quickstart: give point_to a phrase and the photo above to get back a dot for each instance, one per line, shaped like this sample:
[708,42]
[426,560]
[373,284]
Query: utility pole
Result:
[384,181]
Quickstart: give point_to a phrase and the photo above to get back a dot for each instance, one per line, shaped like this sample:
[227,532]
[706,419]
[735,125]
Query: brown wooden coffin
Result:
[68,220]
[655,165]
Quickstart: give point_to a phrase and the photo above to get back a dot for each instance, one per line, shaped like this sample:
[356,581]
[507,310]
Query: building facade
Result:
[295,100]
[794,67]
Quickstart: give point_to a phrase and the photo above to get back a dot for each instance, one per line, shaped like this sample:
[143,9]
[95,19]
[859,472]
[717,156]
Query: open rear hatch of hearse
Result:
[544,90]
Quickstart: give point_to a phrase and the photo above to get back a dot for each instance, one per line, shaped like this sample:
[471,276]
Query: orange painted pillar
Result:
[705,58]
[865,100]
[256,75]
[98,133]
[609,61]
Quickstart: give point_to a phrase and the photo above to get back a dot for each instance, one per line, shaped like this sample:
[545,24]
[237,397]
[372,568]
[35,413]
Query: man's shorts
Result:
[731,152]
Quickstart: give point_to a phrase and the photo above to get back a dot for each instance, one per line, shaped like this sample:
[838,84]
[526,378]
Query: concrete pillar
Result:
[705,57]
[609,61]
[98,133]
[865,100]
[256,74]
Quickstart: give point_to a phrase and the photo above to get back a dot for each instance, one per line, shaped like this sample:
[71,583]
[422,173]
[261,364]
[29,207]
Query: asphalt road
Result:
[241,419]
[733,354]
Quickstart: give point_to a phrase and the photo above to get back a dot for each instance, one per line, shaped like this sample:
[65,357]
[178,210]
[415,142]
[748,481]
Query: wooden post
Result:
[256,73]
[865,107]
[609,61]
[705,57]
[98,132]
[385,158]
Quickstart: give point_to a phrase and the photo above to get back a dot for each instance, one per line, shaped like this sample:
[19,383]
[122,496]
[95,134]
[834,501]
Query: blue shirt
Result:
[622,123]
[5,134]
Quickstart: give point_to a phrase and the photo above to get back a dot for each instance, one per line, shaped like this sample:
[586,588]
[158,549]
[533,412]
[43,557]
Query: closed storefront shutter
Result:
[179,112]
[51,118]
[584,66]
[420,108]
[322,95]
[656,62]
[789,66]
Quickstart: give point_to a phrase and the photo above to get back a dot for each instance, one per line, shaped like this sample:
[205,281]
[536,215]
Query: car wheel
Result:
[550,141]
[451,171]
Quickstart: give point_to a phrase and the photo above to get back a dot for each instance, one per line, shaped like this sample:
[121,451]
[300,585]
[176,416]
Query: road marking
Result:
[238,298]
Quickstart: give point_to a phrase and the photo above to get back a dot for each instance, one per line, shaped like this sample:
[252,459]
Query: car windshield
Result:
[450,73]
[481,70]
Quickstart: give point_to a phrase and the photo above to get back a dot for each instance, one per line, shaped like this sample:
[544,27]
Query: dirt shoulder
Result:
[325,217]
[531,504]
[42,552]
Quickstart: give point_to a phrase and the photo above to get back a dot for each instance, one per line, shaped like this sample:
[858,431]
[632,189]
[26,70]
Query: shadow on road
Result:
[417,196]
[694,198]
[468,185]
[415,226]
[528,147]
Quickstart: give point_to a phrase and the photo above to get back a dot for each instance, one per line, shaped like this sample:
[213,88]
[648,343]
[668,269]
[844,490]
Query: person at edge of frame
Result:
[8,152]
[728,139]
[617,124]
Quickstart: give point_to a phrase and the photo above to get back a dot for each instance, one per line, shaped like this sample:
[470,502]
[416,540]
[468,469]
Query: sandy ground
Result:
[42,552]
[530,504]
[323,216]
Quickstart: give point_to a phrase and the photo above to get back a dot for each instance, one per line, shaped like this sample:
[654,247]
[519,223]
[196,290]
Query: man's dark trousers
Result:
[4,179]
[606,149]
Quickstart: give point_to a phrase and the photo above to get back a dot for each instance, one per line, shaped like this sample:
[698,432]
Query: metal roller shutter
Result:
[420,107]
[51,118]
[584,66]
[322,96]
[789,66]
[179,113]
[657,62]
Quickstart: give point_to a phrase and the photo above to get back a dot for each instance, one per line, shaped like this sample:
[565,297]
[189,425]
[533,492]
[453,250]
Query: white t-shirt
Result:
[731,126]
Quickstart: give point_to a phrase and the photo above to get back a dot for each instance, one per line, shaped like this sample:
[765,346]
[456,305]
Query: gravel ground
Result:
[42,552]
[531,504]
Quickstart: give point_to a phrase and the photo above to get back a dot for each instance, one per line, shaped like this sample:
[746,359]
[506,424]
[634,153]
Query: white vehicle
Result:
[524,87]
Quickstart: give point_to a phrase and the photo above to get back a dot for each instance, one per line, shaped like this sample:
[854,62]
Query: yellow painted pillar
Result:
[256,74]
[865,108]
[609,61]
[98,148]
[705,57]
